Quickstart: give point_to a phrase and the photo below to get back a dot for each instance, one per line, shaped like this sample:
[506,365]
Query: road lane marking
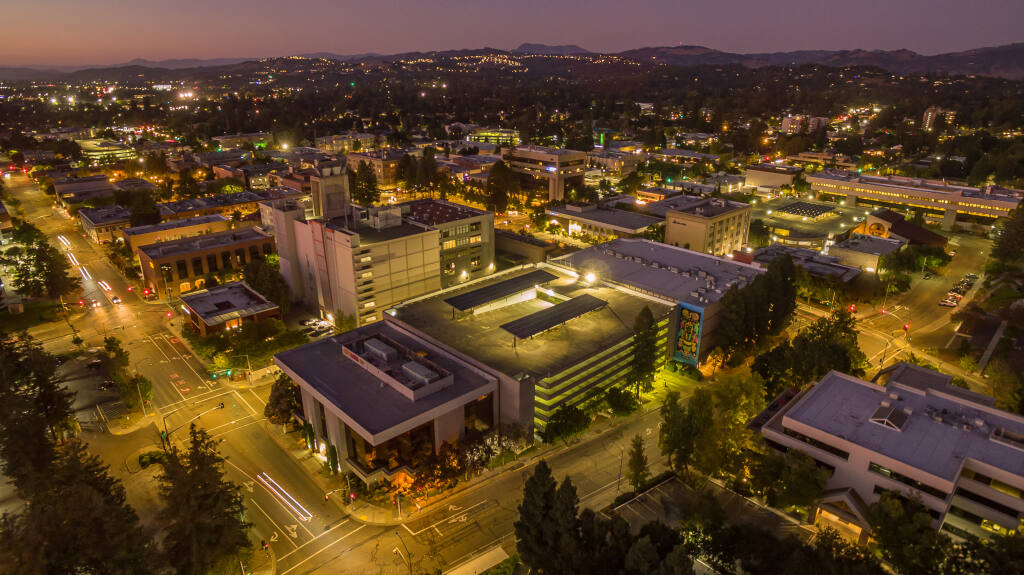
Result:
[216,435]
[274,523]
[183,358]
[344,521]
[246,403]
[151,340]
[257,397]
[445,520]
[321,550]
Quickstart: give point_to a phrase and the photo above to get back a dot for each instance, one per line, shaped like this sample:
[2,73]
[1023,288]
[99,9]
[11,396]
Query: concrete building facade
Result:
[918,436]
[713,225]
[172,268]
[557,166]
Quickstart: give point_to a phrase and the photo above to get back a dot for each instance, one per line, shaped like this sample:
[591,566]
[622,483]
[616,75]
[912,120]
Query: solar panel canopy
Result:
[496,291]
[556,315]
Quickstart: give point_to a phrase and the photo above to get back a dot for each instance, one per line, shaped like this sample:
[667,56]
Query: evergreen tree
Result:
[1009,245]
[638,471]
[284,399]
[426,169]
[363,185]
[645,352]
[535,532]
[263,274]
[501,181]
[203,510]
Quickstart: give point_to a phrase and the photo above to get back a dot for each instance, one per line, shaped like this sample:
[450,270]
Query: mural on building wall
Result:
[688,334]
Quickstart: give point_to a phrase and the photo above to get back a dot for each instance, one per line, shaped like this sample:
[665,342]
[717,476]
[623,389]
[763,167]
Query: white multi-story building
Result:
[918,436]
[557,166]
[936,198]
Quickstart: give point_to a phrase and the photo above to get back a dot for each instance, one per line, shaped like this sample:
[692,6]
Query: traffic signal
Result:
[145,292]
[852,308]
[169,314]
[906,326]
[228,373]
[883,311]
[130,288]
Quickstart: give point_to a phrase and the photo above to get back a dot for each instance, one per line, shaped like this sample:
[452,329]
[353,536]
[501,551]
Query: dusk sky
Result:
[67,32]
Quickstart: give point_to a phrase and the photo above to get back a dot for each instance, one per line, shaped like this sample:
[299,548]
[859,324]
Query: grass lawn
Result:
[36,312]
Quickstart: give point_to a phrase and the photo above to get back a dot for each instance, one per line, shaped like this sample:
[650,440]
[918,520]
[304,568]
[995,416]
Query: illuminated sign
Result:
[689,322]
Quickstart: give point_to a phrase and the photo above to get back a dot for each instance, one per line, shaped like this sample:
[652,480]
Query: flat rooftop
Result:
[218,201]
[776,169]
[434,212]
[482,337]
[531,149]
[807,209]
[677,203]
[679,153]
[174,224]
[371,235]
[225,302]
[873,245]
[994,193]
[710,207]
[203,242]
[361,396]
[812,261]
[945,425]
[666,271]
[607,217]
[105,214]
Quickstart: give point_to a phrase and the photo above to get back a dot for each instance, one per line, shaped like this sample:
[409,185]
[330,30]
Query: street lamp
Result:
[408,556]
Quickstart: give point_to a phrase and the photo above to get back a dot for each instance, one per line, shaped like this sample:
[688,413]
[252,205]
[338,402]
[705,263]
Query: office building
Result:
[684,157]
[933,113]
[693,281]
[864,252]
[180,266]
[815,263]
[582,219]
[255,139]
[567,336]
[226,307]
[71,191]
[253,177]
[348,142]
[618,163]
[712,225]
[384,163]
[915,435]
[800,124]
[104,224]
[954,206]
[498,136]
[138,236]
[768,178]
[223,204]
[351,266]
[385,398]
[466,236]
[101,152]
[133,185]
[557,166]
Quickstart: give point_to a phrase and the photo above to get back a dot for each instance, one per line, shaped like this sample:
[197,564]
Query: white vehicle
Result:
[947,303]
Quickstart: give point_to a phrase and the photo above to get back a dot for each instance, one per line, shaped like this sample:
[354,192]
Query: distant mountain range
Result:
[999,61]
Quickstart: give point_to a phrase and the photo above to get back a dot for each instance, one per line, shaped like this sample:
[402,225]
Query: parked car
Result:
[309,331]
[928,276]
[954,296]
[310,322]
[106,384]
[947,303]
[971,276]
[95,364]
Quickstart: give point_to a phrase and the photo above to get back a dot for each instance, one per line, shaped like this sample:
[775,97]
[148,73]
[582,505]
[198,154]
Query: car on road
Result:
[928,276]
[94,364]
[106,384]
[115,299]
[971,276]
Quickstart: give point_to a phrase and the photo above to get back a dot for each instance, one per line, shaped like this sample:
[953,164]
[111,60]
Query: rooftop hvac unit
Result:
[380,349]
[418,372]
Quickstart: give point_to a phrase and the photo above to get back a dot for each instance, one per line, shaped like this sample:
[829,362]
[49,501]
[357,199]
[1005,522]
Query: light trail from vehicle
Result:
[284,496]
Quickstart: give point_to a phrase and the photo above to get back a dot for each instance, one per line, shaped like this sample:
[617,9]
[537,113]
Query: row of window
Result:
[886,472]
[460,230]
[986,502]
[227,261]
[457,242]
[815,443]
[993,483]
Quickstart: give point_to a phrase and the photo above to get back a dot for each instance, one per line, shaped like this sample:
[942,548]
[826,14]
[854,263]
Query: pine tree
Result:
[284,399]
[203,510]
[534,529]
[645,352]
[638,472]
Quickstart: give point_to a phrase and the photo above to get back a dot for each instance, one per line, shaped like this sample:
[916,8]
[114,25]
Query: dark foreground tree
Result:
[638,470]
[644,362]
[202,509]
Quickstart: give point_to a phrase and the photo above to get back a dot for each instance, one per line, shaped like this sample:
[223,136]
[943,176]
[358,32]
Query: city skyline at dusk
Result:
[192,29]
